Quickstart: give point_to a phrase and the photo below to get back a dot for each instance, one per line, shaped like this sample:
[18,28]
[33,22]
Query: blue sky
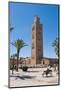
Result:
[22,17]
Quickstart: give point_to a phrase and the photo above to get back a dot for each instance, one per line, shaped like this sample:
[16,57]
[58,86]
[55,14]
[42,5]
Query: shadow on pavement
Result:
[23,77]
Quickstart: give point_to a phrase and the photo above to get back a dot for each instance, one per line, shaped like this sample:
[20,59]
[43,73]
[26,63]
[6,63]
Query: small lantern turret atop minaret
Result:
[37,41]
[36,19]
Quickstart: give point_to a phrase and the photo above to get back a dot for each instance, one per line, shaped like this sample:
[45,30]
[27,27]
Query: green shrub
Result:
[25,68]
[11,67]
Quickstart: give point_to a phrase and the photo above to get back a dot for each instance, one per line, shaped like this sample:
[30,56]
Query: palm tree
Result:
[18,44]
[55,44]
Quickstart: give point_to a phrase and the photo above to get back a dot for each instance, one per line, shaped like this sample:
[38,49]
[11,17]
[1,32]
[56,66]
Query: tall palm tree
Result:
[18,44]
[55,44]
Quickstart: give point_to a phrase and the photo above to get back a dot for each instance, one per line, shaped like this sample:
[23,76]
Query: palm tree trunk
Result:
[17,58]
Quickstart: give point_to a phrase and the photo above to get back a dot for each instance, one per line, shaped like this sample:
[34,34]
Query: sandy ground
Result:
[32,77]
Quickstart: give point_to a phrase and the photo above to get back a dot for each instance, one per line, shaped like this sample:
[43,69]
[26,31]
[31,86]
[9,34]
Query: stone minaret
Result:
[37,42]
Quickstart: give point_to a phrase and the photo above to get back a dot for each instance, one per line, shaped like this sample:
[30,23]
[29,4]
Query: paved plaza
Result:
[32,77]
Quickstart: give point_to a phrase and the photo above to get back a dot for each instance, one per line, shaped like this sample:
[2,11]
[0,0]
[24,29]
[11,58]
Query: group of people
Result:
[49,70]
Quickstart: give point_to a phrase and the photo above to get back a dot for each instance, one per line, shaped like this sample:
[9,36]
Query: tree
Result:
[55,44]
[19,44]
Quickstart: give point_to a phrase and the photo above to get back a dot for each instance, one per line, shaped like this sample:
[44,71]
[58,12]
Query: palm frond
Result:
[19,44]
[11,28]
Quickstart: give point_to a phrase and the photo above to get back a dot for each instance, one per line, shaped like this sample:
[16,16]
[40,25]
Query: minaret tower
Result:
[37,42]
